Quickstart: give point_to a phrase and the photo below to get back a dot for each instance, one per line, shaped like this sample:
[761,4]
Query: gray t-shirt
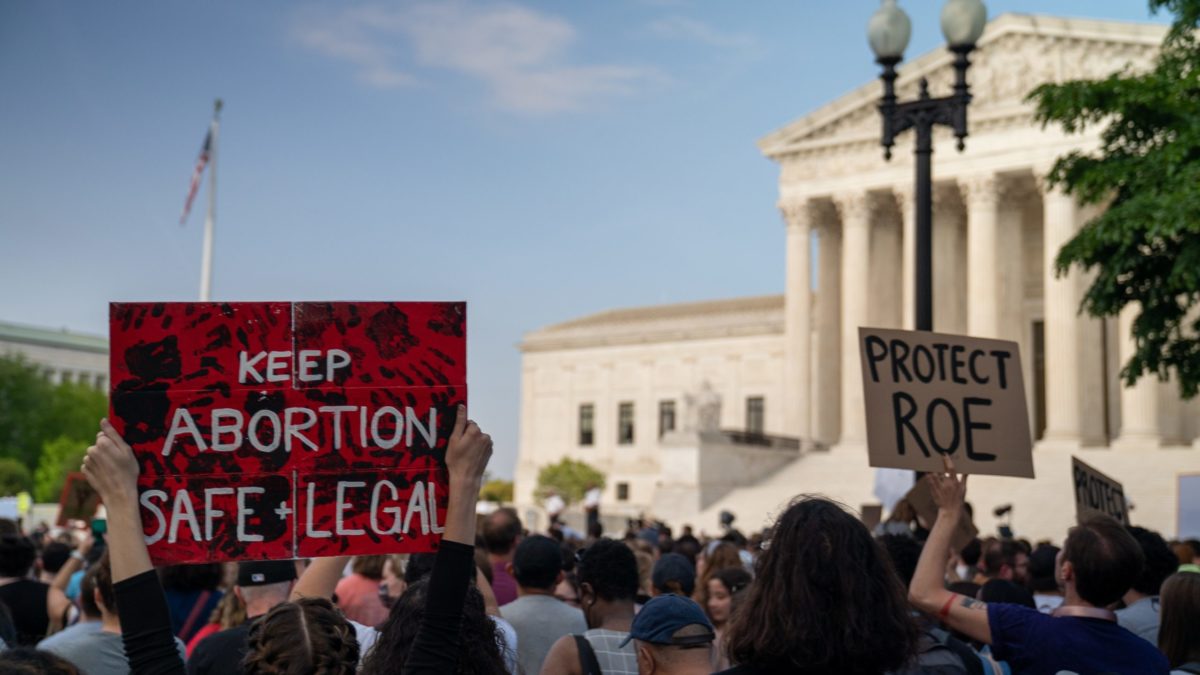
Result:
[1141,619]
[92,650]
[540,620]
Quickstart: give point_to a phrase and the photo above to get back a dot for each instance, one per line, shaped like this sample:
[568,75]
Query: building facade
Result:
[63,356]
[849,233]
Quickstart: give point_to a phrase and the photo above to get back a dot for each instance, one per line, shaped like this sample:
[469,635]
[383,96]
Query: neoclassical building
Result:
[62,355]
[787,368]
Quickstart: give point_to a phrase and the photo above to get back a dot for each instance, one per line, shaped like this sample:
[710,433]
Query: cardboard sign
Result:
[929,395]
[871,515]
[79,500]
[1097,494]
[921,499]
[278,430]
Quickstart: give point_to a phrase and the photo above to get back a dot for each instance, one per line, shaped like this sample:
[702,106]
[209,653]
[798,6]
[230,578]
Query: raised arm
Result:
[110,467]
[320,578]
[62,578]
[928,589]
[439,637]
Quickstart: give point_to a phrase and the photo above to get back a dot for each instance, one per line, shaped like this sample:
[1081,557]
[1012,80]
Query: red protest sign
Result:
[278,430]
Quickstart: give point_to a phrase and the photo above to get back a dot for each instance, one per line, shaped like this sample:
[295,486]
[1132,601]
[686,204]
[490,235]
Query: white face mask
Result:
[963,571]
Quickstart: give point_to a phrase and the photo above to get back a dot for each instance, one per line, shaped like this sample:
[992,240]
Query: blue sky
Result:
[541,160]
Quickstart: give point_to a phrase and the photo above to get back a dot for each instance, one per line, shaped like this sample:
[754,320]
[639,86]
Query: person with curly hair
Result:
[608,588]
[306,636]
[825,600]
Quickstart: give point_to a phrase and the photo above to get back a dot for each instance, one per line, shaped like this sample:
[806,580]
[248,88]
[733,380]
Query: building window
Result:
[622,492]
[666,417]
[754,415]
[587,423]
[625,423]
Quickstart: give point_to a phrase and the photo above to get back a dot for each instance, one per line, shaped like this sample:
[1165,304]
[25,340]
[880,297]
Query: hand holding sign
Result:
[929,395]
[468,453]
[111,468]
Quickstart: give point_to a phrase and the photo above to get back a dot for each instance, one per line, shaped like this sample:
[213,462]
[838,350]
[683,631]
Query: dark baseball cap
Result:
[263,572]
[674,567]
[666,615]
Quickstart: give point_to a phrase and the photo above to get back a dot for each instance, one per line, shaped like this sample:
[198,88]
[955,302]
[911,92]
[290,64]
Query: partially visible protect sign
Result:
[929,394]
[274,430]
[1097,494]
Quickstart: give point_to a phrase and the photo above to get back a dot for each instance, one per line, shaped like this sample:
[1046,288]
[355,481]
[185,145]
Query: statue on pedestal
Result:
[702,410]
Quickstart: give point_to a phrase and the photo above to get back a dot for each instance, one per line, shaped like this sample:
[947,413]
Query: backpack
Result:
[939,653]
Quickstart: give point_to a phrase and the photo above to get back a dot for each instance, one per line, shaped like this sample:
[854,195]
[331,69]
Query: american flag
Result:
[201,162]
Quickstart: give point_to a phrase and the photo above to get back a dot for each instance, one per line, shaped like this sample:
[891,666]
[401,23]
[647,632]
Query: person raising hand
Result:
[1098,563]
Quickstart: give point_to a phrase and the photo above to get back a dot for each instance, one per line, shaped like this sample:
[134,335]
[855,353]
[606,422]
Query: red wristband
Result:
[946,607]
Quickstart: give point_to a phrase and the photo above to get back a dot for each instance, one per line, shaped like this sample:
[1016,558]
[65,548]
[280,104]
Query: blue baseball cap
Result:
[666,615]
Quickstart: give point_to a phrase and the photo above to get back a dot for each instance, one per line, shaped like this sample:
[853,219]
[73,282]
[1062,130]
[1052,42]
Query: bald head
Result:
[501,531]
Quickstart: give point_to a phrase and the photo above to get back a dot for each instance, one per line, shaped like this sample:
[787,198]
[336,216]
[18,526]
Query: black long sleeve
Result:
[146,626]
[436,648]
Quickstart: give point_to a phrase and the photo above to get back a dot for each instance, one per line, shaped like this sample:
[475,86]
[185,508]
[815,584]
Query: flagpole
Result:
[210,217]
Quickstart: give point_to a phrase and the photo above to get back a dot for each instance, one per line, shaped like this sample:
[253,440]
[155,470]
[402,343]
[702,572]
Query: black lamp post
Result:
[888,32]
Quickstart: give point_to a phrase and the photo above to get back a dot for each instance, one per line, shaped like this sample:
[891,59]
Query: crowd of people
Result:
[816,592]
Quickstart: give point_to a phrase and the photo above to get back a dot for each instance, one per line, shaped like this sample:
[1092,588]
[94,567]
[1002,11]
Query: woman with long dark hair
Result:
[479,653]
[825,600]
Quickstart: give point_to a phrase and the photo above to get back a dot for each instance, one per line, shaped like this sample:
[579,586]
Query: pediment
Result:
[1017,53]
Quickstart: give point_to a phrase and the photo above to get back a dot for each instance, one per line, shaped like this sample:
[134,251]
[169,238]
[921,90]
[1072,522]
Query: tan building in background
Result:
[62,355]
[788,368]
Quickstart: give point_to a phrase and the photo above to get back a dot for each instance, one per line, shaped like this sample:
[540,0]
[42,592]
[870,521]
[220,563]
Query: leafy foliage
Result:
[570,478]
[14,477]
[1145,247]
[497,490]
[33,411]
[59,457]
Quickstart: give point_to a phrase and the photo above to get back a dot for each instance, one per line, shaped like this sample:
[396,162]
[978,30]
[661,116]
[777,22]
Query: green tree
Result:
[14,477]
[24,394]
[60,456]
[570,478]
[1145,247]
[497,490]
[33,411]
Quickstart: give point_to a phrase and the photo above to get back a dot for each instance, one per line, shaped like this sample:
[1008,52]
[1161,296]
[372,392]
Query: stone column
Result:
[1061,303]
[984,300]
[908,253]
[826,366]
[949,261]
[797,412]
[855,212]
[1139,404]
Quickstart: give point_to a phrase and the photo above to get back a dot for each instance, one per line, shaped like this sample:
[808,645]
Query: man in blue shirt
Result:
[1098,563]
